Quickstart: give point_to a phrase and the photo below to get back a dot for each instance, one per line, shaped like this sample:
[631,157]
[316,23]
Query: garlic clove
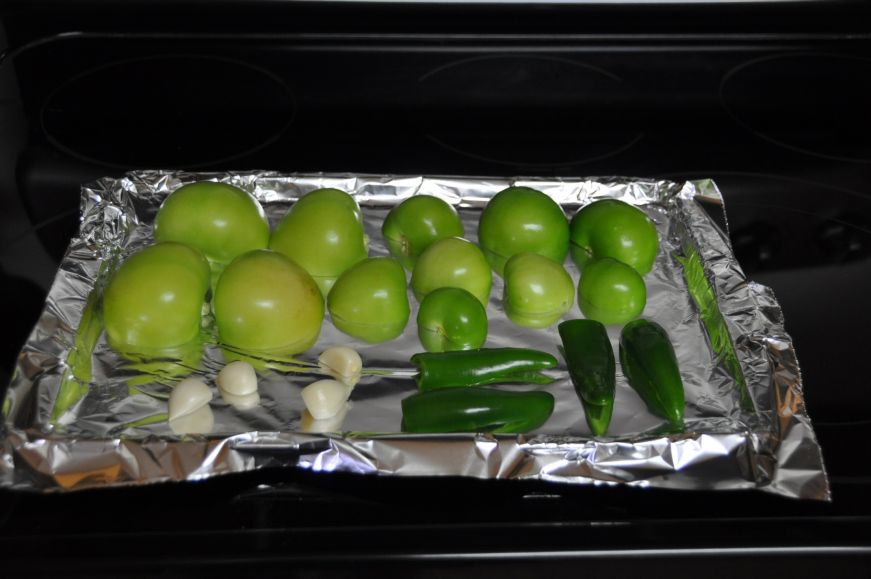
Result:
[325,398]
[342,363]
[187,397]
[237,378]
[241,402]
[200,421]
[308,423]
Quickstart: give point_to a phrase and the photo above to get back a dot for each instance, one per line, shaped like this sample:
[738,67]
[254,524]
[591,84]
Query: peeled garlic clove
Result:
[324,398]
[200,421]
[332,424]
[188,396]
[241,402]
[237,378]
[342,363]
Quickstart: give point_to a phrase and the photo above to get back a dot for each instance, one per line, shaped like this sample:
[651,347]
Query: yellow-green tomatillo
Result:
[154,301]
[538,291]
[220,220]
[323,234]
[266,304]
[452,262]
[370,300]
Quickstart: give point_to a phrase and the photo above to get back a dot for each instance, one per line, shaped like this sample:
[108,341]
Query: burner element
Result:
[756,245]
[842,241]
[200,111]
[811,103]
[526,111]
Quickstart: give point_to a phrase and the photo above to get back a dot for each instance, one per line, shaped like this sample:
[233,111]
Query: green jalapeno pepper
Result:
[590,358]
[466,368]
[475,410]
[650,366]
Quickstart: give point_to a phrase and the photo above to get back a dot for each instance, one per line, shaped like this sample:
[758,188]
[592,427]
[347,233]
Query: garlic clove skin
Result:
[332,424]
[342,363]
[200,421]
[243,402]
[325,398]
[237,378]
[187,397]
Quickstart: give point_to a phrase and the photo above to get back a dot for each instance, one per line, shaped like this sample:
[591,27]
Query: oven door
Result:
[768,99]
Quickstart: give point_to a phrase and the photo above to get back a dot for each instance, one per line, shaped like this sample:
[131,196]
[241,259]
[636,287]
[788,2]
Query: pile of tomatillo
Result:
[270,290]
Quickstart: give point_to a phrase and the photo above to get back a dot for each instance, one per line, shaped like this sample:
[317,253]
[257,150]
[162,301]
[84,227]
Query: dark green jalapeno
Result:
[475,410]
[466,368]
[650,366]
[590,359]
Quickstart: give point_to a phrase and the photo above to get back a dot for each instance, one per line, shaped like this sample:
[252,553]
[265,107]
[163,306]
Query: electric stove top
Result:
[779,120]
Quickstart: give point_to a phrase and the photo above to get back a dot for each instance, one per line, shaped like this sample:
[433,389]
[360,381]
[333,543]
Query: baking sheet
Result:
[78,415]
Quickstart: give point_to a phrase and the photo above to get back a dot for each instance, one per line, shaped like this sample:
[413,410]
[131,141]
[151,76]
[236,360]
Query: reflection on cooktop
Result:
[812,103]
[480,108]
[188,111]
[778,222]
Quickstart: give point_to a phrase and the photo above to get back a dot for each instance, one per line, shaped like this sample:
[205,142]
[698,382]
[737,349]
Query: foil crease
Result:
[77,415]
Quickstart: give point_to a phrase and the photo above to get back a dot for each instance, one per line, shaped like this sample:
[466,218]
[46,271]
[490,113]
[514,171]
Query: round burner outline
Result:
[633,139]
[509,55]
[277,81]
[770,139]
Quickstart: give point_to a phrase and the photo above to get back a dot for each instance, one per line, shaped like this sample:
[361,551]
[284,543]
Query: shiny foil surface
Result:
[77,415]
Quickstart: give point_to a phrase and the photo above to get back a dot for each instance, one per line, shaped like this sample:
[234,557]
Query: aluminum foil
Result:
[77,415]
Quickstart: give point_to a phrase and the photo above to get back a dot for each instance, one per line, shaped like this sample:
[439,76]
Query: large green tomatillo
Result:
[220,220]
[538,291]
[518,220]
[154,300]
[370,300]
[611,292]
[323,234]
[452,262]
[334,197]
[265,303]
[615,229]
[415,224]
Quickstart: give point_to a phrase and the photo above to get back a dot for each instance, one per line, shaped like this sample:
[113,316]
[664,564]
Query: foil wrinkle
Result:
[77,415]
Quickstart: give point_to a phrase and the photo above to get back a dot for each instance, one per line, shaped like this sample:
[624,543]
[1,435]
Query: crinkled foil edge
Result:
[777,452]
[788,455]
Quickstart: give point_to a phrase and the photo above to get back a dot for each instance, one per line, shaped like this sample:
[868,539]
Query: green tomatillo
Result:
[220,220]
[611,292]
[323,234]
[154,300]
[334,197]
[452,262]
[613,228]
[538,291]
[370,300]
[520,219]
[451,319]
[416,223]
[266,304]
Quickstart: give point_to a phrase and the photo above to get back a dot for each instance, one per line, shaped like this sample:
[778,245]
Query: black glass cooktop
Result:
[780,122]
